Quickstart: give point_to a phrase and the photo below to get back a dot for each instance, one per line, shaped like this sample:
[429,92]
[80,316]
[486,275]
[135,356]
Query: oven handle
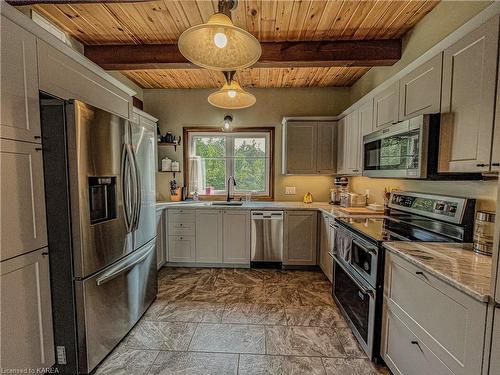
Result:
[370,249]
[363,288]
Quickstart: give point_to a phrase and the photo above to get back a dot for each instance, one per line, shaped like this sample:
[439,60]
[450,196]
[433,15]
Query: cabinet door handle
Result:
[37,137]
[38,149]
[481,165]
[45,253]
[355,170]
[495,164]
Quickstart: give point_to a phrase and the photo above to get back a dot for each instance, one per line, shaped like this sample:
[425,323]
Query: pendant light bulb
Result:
[231,93]
[220,40]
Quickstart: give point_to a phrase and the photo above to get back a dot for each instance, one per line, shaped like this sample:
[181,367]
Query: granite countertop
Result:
[454,263]
[324,207]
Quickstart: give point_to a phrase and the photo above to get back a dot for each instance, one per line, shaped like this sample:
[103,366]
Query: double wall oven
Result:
[359,255]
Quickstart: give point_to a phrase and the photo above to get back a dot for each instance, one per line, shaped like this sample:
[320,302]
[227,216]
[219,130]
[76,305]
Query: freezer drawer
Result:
[113,301]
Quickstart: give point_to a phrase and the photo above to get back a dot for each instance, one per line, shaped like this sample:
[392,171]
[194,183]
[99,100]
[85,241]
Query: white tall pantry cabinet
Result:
[26,314]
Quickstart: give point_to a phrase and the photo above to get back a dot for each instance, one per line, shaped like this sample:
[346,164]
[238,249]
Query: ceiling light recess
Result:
[231,95]
[218,44]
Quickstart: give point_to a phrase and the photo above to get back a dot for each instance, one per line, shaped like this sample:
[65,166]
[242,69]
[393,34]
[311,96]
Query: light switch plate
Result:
[289,190]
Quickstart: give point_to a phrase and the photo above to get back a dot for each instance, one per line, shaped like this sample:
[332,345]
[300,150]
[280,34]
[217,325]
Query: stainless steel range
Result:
[359,255]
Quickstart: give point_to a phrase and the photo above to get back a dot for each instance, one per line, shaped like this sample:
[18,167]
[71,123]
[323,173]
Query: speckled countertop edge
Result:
[448,279]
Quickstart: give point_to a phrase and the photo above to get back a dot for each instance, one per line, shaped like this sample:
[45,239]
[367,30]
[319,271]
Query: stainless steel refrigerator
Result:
[100,194]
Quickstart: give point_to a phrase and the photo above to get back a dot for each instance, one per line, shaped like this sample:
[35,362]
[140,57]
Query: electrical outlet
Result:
[289,190]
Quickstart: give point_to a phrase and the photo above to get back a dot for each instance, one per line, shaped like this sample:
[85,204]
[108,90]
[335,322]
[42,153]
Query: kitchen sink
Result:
[227,203]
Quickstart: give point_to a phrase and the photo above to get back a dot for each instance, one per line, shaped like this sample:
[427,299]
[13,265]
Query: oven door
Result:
[396,151]
[357,302]
[364,259]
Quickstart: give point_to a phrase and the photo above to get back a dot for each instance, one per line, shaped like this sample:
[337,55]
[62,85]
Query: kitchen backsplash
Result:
[484,191]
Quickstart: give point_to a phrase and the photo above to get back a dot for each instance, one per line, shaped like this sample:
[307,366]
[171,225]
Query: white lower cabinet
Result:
[161,238]
[209,236]
[429,327]
[405,353]
[26,314]
[326,247]
[181,248]
[236,237]
[300,232]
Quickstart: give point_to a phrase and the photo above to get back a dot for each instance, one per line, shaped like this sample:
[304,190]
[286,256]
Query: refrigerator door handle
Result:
[125,172]
[124,266]
[138,192]
[136,189]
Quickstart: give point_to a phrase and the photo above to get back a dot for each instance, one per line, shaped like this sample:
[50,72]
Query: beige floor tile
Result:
[349,343]
[160,335]
[314,316]
[353,366]
[125,361]
[254,314]
[190,311]
[191,363]
[229,338]
[303,341]
[279,365]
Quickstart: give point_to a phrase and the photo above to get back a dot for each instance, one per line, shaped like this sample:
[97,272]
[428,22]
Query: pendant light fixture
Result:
[218,44]
[231,95]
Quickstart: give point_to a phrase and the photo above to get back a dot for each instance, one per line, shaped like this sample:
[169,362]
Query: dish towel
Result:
[343,245]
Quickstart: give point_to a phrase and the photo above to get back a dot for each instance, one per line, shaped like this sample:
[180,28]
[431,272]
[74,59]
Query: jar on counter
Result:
[484,231]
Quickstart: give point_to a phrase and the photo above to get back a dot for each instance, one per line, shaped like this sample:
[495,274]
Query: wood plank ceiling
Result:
[161,22]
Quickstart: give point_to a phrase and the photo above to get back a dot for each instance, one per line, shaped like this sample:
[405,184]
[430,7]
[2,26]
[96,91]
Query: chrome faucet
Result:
[229,196]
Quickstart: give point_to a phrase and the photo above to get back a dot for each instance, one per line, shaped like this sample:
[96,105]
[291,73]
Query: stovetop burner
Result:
[402,227]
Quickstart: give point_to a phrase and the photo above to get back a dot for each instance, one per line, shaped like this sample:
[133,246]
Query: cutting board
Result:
[360,211]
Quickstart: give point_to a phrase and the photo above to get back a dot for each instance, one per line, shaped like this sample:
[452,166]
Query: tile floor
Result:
[240,321]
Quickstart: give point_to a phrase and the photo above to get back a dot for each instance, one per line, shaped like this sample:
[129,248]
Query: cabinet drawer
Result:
[181,228]
[181,248]
[404,353]
[181,215]
[450,322]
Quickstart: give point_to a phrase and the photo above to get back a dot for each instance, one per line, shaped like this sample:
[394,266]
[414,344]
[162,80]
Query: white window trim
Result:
[230,136]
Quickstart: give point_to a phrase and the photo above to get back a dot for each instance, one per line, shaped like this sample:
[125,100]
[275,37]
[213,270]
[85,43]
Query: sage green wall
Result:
[189,107]
[445,18]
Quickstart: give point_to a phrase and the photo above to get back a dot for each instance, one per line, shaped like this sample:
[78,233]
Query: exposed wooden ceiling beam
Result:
[63,2]
[359,53]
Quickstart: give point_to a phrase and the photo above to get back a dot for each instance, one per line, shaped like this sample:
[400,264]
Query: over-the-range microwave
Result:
[407,149]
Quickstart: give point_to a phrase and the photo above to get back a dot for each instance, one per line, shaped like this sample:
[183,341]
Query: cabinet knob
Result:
[481,165]
[37,137]
[45,253]
[38,149]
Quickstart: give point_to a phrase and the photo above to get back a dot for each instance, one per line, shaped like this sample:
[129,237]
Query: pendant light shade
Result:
[232,96]
[219,45]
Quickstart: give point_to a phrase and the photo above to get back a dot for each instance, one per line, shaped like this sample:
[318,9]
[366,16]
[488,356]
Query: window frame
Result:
[188,132]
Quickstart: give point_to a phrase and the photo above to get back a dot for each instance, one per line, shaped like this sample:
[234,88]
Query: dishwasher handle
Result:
[267,215]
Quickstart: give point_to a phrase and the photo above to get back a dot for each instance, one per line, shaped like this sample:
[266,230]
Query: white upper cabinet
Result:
[19,107]
[23,226]
[300,138]
[327,148]
[468,95]
[64,77]
[341,149]
[352,153]
[495,152]
[365,117]
[420,90]
[309,147]
[385,107]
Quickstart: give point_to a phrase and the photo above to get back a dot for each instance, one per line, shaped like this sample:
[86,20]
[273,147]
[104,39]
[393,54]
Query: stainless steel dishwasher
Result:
[267,239]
